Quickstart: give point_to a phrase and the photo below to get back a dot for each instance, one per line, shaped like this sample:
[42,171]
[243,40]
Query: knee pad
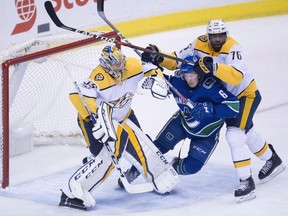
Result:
[235,137]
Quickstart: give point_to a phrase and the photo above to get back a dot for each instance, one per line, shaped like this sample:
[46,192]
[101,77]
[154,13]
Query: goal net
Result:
[36,78]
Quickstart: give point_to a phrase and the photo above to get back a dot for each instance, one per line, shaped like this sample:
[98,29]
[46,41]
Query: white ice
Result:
[36,177]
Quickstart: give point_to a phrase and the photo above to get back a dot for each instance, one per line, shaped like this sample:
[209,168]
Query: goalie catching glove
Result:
[157,85]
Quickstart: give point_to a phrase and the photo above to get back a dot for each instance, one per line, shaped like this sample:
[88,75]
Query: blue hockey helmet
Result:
[186,67]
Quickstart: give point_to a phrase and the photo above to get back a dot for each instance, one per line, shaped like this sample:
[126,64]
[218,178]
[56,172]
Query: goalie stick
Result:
[130,188]
[51,12]
[100,11]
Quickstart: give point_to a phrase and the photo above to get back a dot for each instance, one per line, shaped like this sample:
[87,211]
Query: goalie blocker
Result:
[137,149]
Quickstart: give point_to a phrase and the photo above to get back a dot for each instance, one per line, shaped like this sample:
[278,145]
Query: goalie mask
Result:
[113,61]
[217,34]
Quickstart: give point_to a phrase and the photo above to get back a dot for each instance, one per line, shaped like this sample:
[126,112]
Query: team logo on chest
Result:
[98,77]
[122,101]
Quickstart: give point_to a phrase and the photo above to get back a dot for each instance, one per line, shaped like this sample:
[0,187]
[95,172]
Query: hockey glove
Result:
[203,66]
[159,88]
[202,111]
[151,57]
[99,132]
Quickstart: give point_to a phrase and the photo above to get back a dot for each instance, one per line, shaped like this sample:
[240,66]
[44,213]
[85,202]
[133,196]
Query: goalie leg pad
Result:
[159,171]
[89,176]
[166,181]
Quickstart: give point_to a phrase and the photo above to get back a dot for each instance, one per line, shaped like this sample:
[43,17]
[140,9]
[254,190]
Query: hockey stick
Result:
[100,6]
[100,11]
[135,188]
[51,12]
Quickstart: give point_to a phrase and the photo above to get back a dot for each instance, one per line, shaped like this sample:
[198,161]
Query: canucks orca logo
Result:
[122,101]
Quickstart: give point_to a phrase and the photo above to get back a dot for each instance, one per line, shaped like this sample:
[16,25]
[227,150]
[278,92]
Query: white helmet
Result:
[217,27]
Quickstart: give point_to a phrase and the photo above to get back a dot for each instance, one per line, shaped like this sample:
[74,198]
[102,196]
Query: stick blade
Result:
[51,12]
[136,188]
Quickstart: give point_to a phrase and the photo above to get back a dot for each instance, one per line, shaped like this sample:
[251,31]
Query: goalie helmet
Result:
[113,61]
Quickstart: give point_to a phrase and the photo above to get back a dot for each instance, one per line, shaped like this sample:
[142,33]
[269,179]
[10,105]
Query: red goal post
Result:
[34,89]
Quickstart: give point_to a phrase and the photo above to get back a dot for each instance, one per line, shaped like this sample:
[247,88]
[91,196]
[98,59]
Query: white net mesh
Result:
[39,90]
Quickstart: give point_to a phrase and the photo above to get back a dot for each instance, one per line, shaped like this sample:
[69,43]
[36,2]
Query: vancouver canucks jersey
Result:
[225,104]
[231,67]
[102,87]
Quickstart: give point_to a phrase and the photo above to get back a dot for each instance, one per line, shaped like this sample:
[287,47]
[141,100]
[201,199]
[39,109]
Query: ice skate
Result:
[245,191]
[71,202]
[271,168]
[131,174]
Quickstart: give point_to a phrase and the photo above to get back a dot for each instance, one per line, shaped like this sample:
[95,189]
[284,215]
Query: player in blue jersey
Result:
[212,102]
[223,57]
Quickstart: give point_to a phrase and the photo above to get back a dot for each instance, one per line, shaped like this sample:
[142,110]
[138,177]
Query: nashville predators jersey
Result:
[101,86]
[231,68]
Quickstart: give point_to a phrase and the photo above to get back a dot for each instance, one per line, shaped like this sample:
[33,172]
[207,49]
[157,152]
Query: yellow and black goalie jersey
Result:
[101,86]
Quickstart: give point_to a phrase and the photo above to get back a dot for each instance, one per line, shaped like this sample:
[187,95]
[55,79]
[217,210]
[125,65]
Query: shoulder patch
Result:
[203,38]
[98,77]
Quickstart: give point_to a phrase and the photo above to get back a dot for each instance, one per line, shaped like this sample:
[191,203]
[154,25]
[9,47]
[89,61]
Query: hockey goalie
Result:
[112,131]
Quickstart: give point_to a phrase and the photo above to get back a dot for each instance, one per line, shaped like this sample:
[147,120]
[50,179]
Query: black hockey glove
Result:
[202,111]
[150,57]
[203,66]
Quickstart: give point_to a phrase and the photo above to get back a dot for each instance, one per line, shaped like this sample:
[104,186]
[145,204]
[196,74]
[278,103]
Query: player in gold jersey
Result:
[114,82]
[221,55]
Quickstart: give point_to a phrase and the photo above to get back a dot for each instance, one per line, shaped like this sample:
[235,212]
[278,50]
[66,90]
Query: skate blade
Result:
[247,197]
[275,172]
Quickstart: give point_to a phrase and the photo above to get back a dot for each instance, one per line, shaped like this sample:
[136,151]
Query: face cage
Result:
[115,71]
[116,74]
